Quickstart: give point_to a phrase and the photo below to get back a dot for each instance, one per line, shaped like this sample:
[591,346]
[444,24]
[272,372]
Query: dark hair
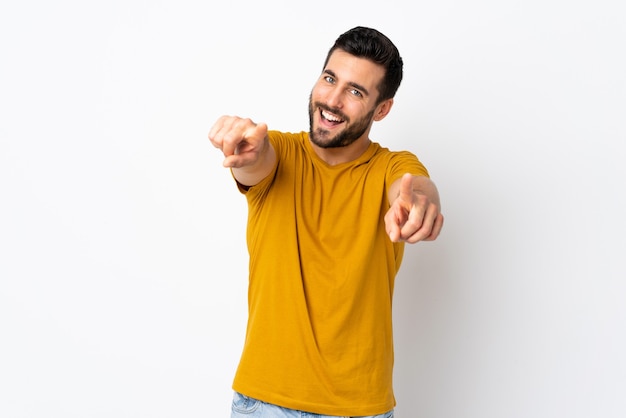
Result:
[371,44]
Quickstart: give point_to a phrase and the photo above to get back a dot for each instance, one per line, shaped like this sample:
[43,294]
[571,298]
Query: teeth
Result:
[330,117]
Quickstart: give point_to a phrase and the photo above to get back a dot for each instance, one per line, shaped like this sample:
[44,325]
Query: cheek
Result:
[322,91]
[316,95]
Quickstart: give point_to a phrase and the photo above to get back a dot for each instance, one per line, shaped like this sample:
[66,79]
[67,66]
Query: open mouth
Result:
[330,118]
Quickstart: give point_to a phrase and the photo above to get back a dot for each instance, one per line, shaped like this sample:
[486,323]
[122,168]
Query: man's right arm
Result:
[246,148]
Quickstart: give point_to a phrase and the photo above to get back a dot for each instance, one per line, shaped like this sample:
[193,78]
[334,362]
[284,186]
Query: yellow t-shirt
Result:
[322,268]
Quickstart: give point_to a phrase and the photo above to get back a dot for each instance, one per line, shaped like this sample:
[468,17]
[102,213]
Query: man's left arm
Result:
[415,212]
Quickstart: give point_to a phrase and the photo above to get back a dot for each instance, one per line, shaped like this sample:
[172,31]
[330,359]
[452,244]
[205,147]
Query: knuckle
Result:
[421,199]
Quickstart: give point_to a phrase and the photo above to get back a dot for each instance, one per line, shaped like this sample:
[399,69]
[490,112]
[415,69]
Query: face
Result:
[342,105]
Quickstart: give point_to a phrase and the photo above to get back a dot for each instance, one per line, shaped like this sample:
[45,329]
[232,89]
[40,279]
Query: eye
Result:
[329,79]
[356,93]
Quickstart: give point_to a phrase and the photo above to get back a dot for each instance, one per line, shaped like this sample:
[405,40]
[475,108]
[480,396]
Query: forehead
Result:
[351,69]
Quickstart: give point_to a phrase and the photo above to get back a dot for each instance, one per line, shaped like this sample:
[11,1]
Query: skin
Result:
[343,107]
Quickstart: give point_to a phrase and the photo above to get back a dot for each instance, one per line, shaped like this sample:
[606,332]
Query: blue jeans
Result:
[245,407]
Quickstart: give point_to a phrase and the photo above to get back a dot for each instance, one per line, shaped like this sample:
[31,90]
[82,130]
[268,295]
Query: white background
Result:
[122,255]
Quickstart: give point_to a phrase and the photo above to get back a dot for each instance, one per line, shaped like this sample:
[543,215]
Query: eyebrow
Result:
[355,85]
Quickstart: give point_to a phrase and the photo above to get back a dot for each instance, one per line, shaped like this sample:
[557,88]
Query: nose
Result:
[334,98]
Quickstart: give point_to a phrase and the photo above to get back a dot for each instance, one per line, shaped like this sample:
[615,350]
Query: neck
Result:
[340,155]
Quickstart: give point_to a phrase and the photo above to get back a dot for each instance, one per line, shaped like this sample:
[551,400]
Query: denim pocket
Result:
[243,404]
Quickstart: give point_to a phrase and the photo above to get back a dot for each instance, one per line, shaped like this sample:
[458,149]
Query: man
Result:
[329,212]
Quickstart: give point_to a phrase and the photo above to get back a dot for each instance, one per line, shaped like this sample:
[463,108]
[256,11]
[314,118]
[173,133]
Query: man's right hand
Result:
[241,140]
[246,148]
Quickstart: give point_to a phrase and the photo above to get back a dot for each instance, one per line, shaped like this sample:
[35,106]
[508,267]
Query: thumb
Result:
[406,189]
[258,131]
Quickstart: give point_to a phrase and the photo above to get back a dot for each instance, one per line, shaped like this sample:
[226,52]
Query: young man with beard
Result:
[329,212]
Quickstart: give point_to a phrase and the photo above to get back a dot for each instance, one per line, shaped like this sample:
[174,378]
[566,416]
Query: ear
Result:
[383,110]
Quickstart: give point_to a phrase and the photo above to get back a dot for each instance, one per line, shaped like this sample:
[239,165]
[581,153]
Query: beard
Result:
[321,137]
